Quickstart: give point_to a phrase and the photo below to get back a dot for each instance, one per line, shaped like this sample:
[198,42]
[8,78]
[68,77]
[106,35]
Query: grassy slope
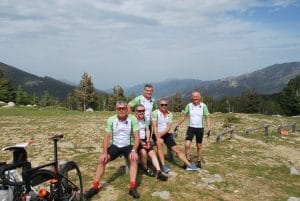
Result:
[253,167]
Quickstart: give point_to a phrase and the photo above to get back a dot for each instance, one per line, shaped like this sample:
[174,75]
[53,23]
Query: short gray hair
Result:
[163,100]
[121,102]
[139,105]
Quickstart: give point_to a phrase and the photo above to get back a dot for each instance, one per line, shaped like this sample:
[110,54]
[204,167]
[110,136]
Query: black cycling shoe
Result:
[149,172]
[133,192]
[162,177]
[91,192]
[199,165]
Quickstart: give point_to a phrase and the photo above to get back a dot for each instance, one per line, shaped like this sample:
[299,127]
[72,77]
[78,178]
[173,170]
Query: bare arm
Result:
[182,119]
[208,122]
[147,134]
[104,157]
[106,141]
[133,155]
[136,140]
[154,127]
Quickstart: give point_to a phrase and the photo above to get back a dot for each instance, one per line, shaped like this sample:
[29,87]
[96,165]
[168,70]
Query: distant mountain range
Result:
[269,80]
[37,85]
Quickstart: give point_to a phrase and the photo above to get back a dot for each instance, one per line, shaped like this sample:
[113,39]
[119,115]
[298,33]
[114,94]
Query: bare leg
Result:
[154,160]
[132,170]
[143,157]
[180,155]
[188,149]
[160,150]
[199,151]
[100,169]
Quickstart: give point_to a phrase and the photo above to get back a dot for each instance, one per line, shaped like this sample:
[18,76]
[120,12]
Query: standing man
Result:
[146,100]
[120,128]
[197,111]
[161,124]
[145,148]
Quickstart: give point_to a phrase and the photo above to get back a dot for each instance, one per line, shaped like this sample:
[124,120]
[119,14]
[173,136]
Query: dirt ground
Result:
[253,167]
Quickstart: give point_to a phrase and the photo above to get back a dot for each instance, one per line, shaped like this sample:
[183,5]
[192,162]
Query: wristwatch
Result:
[133,150]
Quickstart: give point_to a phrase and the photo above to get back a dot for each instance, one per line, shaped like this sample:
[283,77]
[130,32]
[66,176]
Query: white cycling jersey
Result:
[122,130]
[196,114]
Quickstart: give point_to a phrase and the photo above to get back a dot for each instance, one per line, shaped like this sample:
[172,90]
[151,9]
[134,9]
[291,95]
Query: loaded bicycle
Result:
[49,182]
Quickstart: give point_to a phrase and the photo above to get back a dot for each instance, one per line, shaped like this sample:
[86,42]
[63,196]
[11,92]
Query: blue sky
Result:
[129,42]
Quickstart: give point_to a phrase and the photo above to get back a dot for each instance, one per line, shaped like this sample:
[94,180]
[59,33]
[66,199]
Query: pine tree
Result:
[176,103]
[289,99]
[6,91]
[71,101]
[102,102]
[210,102]
[86,93]
[118,94]
[23,98]
[250,102]
[46,99]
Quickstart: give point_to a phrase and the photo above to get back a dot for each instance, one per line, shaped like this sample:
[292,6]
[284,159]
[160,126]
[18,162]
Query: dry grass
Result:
[252,167]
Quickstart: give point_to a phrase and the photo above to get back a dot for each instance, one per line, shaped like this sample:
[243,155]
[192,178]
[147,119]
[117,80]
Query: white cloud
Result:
[170,37]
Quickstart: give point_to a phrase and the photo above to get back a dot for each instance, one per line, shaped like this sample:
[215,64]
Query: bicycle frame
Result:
[58,177]
[28,171]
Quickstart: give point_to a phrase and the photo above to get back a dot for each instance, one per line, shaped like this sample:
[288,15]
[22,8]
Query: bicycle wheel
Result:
[40,181]
[71,182]
[41,176]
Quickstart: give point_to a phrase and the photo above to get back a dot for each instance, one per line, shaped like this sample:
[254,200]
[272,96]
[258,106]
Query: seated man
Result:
[161,124]
[120,128]
[145,148]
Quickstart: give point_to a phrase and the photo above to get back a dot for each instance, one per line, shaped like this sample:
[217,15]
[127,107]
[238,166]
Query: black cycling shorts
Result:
[191,132]
[141,147]
[115,151]
[168,140]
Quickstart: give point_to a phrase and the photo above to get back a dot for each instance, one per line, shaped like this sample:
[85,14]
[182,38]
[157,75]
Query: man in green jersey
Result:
[145,148]
[120,129]
[146,100]
[161,123]
[197,112]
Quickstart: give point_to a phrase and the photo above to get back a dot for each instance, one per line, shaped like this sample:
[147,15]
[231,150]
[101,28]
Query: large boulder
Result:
[11,104]
[89,110]
[2,103]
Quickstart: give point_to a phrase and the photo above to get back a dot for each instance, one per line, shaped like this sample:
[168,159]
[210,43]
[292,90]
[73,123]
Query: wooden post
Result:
[219,138]
[294,127]
[266,129]
[279,129]
[231,133]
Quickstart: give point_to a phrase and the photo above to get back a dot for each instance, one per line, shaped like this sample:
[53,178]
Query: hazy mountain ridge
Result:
[35,84]
[168,87]
[38,85]
[269,80]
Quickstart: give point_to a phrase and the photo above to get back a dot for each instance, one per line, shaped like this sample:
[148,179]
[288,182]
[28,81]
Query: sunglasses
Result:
[121,108]
[140,111]
[164,105]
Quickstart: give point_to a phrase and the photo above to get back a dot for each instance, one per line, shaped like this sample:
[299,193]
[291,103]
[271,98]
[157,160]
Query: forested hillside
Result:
[34,84]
